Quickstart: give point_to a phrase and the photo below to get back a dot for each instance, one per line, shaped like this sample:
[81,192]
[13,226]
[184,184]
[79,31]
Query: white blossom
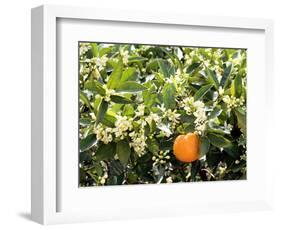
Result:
[196,108]
[103,133]
[233,102]
[153,117]
[108,93]
[125,56]
[140,110]
[138,142]
[169,180]
[123,125]
[100,62]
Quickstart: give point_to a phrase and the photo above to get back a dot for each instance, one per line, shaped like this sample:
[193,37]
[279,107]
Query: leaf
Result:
[219,140]
[87,142]
[164,69]
[152,145]
[95,86]
[241,119]
[120,100]
[136,59]
[236,86]
[226,74]
[169,93]
[85,100]
[116,168]
[202,91]
[85,121]
[130,87]
[109,120]
[195,166]
[193,67]
[129,74]
[128,110]
[174,58]
[105,151]
[123,151]
[204,146]
[215,113]
[233,151]
[115,76]
[95,49]
[101,111]
[212,78]
[104,50]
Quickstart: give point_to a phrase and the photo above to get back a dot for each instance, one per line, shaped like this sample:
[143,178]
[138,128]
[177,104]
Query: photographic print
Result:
[152,114]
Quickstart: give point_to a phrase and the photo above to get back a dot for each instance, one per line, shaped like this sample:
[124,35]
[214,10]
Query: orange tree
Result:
[135,100]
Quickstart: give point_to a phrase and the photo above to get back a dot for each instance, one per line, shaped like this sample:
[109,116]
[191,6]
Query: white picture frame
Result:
[57,200]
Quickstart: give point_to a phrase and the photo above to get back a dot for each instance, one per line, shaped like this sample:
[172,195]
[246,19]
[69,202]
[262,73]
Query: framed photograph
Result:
[141,114]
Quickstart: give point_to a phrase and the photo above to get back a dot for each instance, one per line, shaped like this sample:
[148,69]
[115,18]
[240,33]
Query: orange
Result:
[187,147]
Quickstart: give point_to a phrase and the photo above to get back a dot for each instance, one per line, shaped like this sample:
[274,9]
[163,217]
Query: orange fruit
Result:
[187,147]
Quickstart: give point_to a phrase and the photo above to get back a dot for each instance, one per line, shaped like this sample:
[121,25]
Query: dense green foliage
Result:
[136,99]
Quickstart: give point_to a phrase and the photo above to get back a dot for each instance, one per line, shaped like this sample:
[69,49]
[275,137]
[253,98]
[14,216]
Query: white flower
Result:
[169,180]
[138,142]
[84,47]
[153,117]
[221,91]
[173,117]
[140,110]
[123,124]
[103,133]
[165,130]
[233,102]
[197,108]
[125,56]
[100,62]
[93,116]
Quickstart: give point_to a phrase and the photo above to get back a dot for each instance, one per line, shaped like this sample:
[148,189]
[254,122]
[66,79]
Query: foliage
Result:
[136,99]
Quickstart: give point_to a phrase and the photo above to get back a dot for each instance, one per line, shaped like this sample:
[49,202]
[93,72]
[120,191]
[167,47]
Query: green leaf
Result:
[152,145]
[117,168]
[204,146]
[233,151]
[95,86]
[241,119]
[109,120]
[212,78]
[219,140]
[101,111]
[129,74]
[128,110]
[87,142]
[105,151]
[115,76]
[130,87]
[85,121]
[104,50]
[193,67]
[85,100]
[120,100]
[195,167]
[215,113]
[164,69]
[123,151]
[169,93]
[226,74]
[136,59]
[202,91]
[236,86]
[95,49]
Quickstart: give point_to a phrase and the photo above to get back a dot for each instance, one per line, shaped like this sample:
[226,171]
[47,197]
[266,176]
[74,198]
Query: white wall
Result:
[15,112]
